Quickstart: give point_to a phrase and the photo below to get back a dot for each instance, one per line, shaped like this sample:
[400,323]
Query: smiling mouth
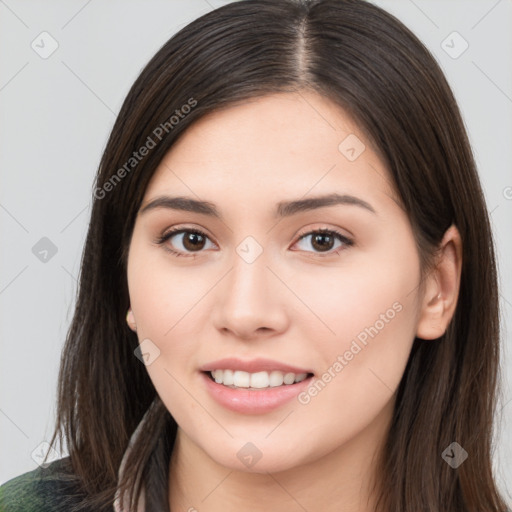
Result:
[237,379]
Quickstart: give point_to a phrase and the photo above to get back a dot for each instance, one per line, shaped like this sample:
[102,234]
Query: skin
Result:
[293,304]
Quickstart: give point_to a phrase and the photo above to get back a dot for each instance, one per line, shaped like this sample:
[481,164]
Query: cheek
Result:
[365,291]
[369,316]
[163,293]
[172,304]
[360,377]
[166,301]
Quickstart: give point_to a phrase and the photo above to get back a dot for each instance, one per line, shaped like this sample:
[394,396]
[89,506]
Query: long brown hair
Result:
[369,63]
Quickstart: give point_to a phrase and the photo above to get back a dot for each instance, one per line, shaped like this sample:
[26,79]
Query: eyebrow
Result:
[283,208]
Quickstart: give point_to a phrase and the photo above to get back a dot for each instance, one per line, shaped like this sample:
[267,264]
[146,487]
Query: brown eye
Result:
[193,241]
[324,240]
[186,241]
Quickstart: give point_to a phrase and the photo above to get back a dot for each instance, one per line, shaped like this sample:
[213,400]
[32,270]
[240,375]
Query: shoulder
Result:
[45,489]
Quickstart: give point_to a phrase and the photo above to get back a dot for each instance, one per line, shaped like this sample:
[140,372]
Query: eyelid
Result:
[346,240]
[176,230]
[323,227]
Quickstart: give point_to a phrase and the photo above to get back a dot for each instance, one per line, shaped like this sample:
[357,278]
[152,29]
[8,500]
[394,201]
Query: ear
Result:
[441,289]
[130,320]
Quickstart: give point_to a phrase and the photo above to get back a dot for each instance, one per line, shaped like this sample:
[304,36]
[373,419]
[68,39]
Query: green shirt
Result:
[53,489]
[44,489]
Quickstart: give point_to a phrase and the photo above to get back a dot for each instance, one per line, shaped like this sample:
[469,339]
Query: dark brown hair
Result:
[370,64]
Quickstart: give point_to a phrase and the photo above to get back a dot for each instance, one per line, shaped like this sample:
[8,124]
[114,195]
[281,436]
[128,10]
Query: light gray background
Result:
[56,116]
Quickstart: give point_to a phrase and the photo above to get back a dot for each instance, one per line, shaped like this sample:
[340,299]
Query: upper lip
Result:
[252,366]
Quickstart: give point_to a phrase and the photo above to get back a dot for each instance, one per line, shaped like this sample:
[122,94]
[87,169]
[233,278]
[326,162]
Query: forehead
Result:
[275,146]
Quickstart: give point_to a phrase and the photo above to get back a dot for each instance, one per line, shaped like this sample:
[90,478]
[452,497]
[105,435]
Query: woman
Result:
[288,296]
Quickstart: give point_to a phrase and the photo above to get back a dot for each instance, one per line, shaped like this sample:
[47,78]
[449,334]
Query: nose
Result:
[250,301]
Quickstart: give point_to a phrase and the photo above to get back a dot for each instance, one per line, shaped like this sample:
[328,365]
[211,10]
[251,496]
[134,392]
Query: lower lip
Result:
[254,401]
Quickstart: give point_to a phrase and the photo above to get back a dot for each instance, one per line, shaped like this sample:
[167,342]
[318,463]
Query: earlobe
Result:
[442,288]
[130,320]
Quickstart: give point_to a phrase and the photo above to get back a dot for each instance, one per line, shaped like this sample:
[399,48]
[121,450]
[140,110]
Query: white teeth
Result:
[289,378]
[241,379]
[259,380]
[276,379]
[217,375]
[227,377]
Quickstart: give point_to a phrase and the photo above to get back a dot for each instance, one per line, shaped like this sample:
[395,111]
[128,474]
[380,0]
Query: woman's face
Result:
[264,290]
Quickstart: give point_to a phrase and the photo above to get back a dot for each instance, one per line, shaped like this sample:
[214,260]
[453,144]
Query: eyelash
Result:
[166,236]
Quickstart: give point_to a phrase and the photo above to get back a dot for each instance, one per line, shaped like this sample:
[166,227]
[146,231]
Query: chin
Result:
[257,458]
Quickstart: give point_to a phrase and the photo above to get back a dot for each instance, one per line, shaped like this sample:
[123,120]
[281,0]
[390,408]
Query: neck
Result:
[339,481]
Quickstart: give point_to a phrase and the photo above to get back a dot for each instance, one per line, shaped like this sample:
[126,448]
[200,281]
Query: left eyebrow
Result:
[287,208]
[283,208]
